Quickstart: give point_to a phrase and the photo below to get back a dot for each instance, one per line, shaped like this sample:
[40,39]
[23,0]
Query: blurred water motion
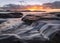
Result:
[40,29]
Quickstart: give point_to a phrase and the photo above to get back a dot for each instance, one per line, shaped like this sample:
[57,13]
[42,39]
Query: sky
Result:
[25,2]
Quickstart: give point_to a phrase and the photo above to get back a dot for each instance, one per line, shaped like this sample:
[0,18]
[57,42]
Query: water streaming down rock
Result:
[25,31]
